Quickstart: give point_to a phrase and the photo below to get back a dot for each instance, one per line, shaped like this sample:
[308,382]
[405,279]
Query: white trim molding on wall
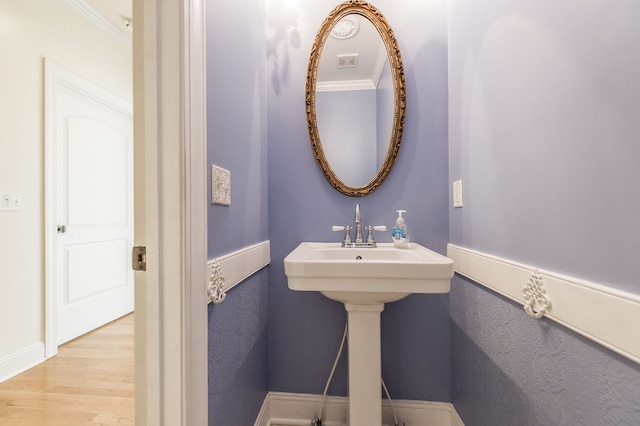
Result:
[103,23]
[600,313]
[291,409]
[227,271]
[16,363]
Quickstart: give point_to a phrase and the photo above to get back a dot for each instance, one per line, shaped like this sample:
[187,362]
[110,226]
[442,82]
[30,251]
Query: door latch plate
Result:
[139,258]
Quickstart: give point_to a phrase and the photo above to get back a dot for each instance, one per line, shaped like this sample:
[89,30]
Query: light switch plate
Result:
[11,201]
[457,194]
[220,186]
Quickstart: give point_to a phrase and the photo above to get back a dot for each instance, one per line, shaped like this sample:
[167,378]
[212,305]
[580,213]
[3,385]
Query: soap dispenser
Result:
[400,232]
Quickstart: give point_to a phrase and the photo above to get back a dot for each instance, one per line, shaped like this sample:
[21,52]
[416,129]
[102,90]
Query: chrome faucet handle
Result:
[370,230]
[347,233]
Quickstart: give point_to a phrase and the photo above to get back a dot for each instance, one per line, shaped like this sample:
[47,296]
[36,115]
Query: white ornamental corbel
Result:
[536,302]
[216,284]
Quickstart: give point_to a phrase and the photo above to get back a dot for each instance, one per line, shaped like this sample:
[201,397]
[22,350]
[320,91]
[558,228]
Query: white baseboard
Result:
[599,312]
[289,409]
[16,363]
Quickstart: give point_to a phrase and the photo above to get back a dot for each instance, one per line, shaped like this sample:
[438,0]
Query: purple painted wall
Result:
[544,106]
[237,122]
[236,108]
[237,353]
[305,328]
[385,96]
[543,127]
[345,119]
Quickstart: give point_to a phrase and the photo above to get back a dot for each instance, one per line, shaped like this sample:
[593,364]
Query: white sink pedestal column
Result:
[365,366]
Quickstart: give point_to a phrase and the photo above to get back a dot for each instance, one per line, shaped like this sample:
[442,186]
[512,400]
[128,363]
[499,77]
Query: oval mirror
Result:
[355,98]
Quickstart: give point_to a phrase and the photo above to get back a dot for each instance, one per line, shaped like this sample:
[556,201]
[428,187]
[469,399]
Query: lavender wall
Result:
[237,122]
[305,328]
[509,369]
[385,96]
[543,131]
[349,142]
[237,353]
[236,103]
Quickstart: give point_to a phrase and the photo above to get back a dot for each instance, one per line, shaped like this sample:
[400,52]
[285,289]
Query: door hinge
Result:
[139,258]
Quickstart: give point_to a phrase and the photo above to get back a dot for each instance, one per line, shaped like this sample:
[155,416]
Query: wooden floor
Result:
[89,382]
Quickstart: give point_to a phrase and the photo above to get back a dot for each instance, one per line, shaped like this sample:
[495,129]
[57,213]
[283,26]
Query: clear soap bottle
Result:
[400,232]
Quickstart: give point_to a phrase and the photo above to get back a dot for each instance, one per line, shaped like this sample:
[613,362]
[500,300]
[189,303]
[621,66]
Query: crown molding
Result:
[101,22]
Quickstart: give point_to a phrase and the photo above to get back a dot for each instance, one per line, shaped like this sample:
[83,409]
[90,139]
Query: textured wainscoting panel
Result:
[603,314]
[509,369]
[238,353]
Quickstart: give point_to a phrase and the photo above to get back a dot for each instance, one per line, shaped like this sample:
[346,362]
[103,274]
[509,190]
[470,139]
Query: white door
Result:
[92,149]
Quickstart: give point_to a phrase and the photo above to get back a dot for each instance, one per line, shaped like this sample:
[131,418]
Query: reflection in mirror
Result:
[354,102]
[355,98]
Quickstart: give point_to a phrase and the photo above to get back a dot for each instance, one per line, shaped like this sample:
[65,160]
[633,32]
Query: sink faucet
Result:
[359,241]
[358,225]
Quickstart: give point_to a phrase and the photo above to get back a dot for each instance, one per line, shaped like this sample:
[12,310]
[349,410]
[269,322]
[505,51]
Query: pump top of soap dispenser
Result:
[400,219]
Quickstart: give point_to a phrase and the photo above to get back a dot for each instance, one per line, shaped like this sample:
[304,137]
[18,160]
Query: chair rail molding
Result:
[603,314]
[227,271]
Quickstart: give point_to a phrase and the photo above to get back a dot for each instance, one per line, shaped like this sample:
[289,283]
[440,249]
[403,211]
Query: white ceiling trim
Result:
[342,86]
[100,21]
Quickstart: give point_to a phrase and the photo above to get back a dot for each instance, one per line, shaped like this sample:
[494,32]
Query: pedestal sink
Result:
[364,279]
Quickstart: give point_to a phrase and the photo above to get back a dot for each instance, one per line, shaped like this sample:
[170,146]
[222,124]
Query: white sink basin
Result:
[364,279]
[367,275]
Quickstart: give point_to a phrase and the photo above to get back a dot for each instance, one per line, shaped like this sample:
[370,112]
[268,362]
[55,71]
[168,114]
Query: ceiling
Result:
[353,62]
[366,44]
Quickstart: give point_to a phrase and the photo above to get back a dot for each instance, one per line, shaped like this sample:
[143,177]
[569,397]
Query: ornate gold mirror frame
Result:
[397,72]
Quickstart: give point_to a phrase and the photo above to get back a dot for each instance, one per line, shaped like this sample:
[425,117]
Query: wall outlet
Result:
[457,194]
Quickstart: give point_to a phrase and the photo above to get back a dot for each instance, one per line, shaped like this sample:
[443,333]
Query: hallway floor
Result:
[89,382]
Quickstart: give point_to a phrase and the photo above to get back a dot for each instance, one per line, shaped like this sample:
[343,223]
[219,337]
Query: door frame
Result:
[171,216]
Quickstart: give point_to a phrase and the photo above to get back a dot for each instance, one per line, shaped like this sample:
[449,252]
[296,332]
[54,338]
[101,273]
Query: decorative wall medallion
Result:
[216,292]
[536,302]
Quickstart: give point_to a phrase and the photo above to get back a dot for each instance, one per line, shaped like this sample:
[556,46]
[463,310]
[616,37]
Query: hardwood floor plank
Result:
[89,382]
